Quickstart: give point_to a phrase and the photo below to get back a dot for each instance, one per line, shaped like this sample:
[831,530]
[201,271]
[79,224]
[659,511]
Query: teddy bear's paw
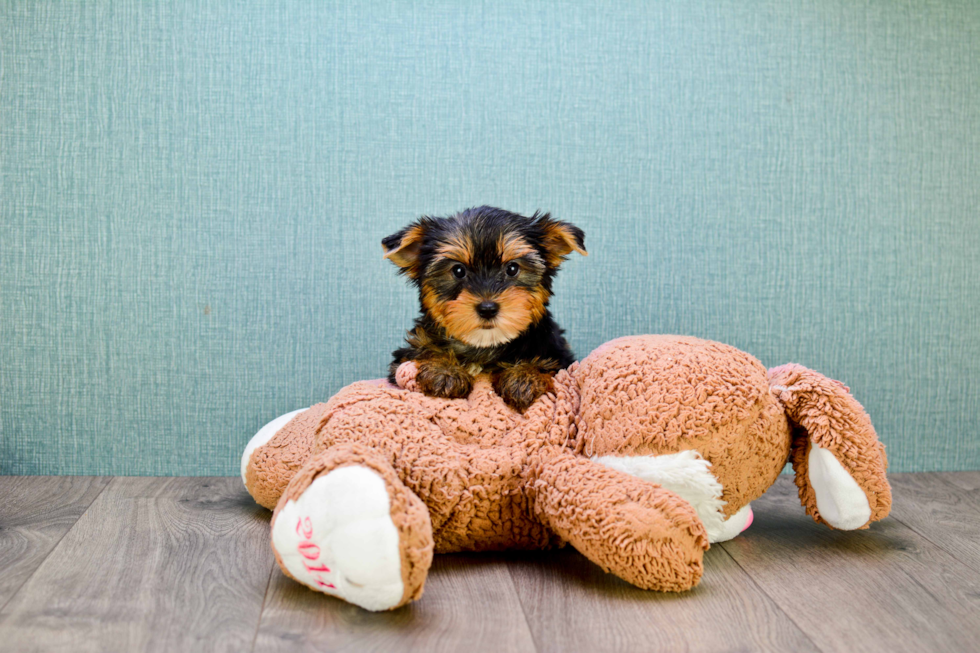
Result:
[840,500]
[405,376]
[338,538]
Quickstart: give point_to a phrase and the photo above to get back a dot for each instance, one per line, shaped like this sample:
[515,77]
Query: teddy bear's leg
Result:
[839,462]
[277,452]
[641,532]
[348,527]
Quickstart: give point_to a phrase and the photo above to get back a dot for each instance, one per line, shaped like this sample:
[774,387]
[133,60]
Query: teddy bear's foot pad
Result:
[840,500]
[338,538]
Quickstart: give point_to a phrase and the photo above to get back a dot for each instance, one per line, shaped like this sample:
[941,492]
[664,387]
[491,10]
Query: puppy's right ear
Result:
[403,248]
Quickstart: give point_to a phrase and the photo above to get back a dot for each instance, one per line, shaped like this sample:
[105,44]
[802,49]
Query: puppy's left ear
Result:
[403,248]
[561,239]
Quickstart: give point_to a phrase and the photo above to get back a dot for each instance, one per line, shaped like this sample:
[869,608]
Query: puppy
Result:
[484,279]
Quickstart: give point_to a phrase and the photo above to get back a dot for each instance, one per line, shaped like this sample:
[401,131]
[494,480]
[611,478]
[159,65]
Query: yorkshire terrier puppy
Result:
[484,279]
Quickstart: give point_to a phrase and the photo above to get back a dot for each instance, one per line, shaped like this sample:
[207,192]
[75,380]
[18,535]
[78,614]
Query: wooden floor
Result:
[183,564]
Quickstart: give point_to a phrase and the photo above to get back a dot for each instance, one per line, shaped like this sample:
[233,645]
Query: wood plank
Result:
[469,604]
[572,605]
[968,482]
[155,564]
[886,588]
[940,512]
[35,513]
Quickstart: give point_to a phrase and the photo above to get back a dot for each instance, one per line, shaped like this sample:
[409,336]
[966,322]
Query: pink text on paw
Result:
[311,552]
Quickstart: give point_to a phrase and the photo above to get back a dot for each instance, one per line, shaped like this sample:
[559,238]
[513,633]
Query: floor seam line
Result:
[775,603]
[56,545]
[517,595]
[265,596]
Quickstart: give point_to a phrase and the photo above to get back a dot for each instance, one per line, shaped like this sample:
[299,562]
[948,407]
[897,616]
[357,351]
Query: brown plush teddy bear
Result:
[647,450]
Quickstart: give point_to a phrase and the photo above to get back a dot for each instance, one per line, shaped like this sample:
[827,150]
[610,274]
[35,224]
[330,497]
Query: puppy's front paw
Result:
[519,385]
[441,378]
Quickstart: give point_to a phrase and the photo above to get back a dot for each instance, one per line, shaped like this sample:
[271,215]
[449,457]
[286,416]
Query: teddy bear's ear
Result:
[403,248]
[560,239]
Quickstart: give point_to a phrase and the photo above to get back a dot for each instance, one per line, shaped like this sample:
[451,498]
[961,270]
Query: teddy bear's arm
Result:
[641,532]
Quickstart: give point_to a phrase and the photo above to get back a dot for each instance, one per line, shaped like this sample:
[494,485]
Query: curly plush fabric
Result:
[488,478]
[656,395]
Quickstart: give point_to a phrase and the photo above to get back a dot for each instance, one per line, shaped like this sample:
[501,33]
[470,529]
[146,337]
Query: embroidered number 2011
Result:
[311,553]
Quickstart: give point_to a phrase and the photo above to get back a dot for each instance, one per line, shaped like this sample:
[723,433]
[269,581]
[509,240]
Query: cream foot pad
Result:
[840,500]
[338,538]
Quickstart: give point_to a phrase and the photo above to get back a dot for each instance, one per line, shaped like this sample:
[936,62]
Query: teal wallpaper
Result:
[192,196]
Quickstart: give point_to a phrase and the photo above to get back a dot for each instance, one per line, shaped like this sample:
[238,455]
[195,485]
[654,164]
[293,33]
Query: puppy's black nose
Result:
[487,309]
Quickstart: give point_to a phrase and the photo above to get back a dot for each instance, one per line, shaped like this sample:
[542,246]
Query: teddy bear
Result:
[646,451]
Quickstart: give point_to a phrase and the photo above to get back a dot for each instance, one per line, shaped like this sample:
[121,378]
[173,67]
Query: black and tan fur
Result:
[494,262]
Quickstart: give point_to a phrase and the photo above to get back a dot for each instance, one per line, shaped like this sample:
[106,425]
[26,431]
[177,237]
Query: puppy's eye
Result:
[459,271]
[512,269]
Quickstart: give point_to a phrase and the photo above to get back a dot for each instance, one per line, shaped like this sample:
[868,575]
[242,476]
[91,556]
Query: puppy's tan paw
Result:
[520,384]
[441,378]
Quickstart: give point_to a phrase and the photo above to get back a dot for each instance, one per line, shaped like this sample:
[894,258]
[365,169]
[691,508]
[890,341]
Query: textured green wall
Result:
[193,195]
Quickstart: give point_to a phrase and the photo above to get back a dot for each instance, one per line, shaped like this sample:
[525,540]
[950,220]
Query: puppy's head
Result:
[484,274]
